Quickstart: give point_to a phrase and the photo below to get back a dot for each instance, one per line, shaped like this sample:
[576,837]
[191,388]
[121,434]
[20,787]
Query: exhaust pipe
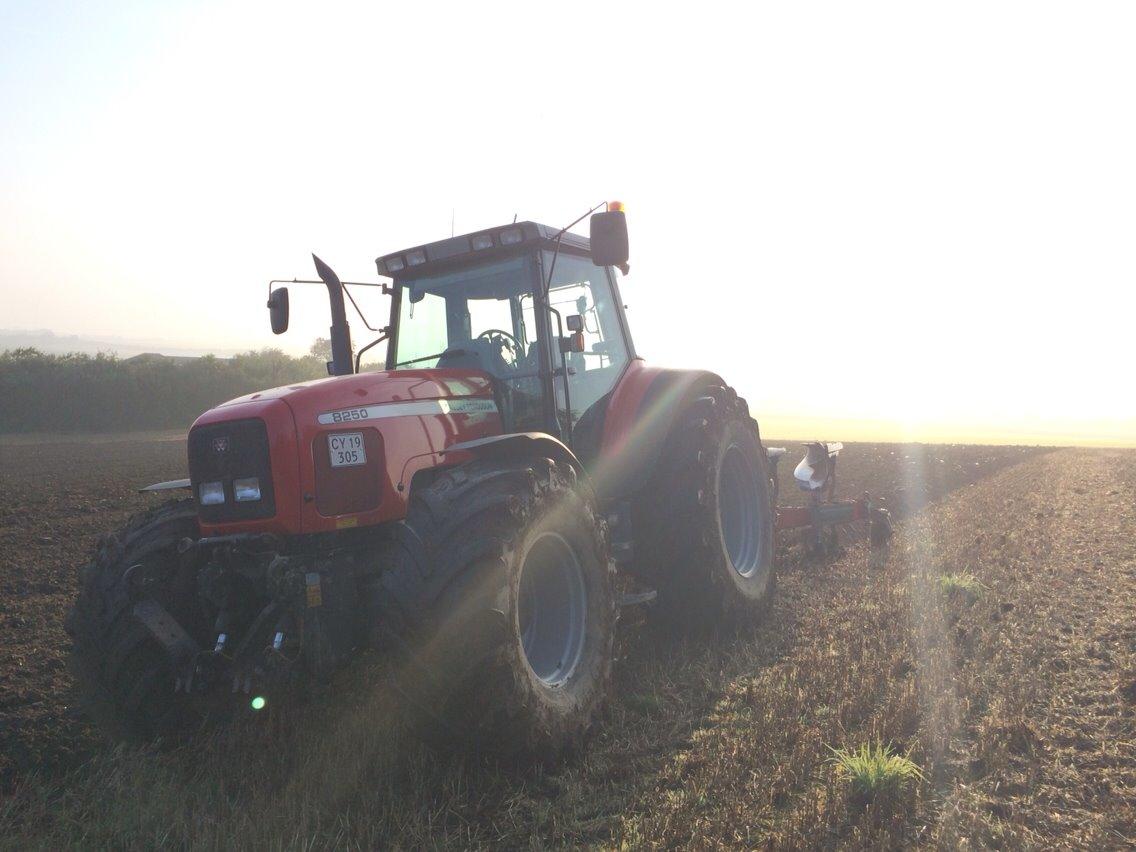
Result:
[340,332]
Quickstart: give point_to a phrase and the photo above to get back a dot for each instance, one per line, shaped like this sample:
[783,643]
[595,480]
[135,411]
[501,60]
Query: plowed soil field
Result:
[1015,698]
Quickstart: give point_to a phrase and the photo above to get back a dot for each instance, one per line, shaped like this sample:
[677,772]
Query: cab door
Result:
[580,288]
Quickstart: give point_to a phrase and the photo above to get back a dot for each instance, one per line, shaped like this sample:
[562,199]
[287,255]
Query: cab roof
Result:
[477,245]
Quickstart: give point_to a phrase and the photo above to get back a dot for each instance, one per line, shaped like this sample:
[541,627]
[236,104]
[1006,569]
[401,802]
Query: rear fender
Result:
[644,406]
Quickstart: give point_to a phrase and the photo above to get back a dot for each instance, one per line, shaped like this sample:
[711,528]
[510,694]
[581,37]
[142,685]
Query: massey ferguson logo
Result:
[221,444]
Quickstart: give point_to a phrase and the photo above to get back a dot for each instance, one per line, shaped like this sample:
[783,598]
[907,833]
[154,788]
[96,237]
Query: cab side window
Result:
[580,287]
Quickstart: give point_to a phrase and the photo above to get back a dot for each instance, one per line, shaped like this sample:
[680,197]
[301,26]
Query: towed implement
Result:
[470,509]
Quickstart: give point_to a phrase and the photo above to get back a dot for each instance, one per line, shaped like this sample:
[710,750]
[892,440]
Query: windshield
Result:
[479,317]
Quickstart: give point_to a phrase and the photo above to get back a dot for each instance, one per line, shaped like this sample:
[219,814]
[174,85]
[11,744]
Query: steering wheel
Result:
[505,341]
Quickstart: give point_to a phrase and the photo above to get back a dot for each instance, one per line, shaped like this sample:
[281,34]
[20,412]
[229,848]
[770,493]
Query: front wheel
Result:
[501,593]
[125,679]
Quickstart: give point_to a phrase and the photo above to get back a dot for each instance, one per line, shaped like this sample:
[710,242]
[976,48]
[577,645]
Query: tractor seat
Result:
[473,355]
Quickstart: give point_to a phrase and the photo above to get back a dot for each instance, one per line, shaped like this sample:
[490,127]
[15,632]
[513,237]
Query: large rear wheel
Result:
[501,596]
[707,520]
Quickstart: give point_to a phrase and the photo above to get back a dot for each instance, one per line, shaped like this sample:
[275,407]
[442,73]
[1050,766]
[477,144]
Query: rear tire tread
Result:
[682,546]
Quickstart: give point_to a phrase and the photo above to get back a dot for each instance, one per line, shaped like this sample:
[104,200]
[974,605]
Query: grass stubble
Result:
[1011,700]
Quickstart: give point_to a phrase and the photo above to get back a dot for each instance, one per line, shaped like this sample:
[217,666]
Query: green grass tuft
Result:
[875,771]
[965,584]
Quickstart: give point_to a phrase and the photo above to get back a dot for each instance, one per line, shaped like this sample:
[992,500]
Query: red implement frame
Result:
[823,514]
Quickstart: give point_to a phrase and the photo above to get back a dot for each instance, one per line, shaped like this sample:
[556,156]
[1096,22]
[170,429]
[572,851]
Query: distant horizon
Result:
[822,431]
[93,344]
[788,427]
[783,425]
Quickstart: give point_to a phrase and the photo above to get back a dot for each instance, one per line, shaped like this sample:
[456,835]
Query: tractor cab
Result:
[535,308]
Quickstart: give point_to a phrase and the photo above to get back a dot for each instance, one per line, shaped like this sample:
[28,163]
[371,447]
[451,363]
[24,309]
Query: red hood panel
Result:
[376,388]
[404,432]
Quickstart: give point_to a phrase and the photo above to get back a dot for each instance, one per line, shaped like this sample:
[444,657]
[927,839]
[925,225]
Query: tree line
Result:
[77,392]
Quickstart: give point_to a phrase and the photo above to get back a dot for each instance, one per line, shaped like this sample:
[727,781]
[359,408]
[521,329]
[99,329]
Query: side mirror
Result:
[278,310]
[609,238]
[575,322]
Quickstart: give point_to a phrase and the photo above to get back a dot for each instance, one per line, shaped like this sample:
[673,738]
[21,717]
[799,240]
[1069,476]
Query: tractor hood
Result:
[284,440]
[375,388]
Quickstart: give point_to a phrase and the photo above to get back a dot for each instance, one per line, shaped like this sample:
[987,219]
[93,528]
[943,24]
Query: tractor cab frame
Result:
[525,304]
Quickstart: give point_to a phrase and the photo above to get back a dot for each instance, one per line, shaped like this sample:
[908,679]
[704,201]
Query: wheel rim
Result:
[552,609]
[738,498]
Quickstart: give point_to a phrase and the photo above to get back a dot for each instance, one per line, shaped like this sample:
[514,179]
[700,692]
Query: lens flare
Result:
[258,703]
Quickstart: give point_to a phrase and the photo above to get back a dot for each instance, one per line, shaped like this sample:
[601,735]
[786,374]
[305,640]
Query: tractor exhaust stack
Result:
[340,332]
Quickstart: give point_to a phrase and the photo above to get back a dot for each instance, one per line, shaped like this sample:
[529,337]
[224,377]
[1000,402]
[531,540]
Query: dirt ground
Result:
[1018,699]
[62,493]
[59,497]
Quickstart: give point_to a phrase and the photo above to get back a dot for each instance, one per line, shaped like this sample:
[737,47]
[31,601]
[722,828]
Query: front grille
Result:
[223,452]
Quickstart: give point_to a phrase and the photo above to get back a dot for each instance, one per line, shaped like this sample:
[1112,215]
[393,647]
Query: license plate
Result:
[346,449]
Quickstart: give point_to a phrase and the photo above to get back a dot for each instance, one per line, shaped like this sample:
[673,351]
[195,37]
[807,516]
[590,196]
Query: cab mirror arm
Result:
[359,355]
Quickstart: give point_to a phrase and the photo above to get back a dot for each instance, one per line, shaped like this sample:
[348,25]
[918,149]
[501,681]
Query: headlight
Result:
[211,493]
[511,236]
[416,257]
[391,265]
[482,241]
[246,490]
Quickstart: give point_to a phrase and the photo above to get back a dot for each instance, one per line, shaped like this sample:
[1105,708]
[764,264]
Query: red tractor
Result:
[471,509]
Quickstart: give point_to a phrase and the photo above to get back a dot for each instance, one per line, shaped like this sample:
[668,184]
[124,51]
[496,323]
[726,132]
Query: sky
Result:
[877,220]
